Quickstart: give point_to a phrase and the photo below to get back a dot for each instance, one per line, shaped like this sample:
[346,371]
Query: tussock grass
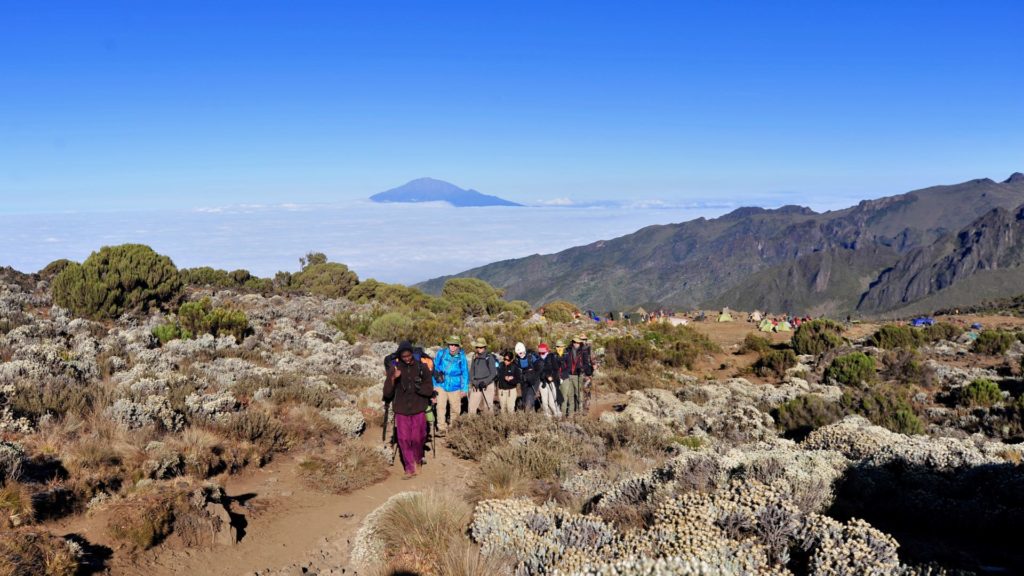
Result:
[343,468]
[35,553]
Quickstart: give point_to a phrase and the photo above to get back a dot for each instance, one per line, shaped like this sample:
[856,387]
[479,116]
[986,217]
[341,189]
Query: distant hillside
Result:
[878,256]
[431,190]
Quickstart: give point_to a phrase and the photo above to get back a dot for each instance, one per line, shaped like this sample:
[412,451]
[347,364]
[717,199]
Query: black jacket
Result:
[411,392]
[578,361]
[548,367]
[509,370]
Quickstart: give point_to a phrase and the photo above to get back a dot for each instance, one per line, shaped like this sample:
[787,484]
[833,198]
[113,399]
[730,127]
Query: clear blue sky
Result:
[180,103]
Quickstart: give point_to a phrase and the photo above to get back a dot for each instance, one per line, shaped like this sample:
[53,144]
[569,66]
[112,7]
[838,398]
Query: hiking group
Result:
[426,393]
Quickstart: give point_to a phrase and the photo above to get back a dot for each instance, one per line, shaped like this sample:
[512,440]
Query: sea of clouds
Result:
[404,243]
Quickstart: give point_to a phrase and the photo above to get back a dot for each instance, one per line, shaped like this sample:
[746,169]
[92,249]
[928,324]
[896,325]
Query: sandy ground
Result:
[289,523]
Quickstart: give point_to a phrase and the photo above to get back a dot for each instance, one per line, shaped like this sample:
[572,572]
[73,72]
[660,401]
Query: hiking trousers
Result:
[530,396]
[549,400]
[412,435]
[443,413]
[507,399]
[571,389]
[486,395]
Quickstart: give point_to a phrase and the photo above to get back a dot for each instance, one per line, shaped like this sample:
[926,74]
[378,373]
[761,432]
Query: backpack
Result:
[417,353]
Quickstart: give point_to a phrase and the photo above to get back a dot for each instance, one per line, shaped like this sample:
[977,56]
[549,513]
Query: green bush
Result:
[472,297]
[893,336]
[886,406]
[942,331]
[755,343]
[164,333]
[200,317]
[993,342]
[392,327]
[54,268]
[775,362]
[322,278]
[804,414]
[817,337]
[560,311]
[626,352]
[980,392]
[851,369]
[904,366]
[116,280]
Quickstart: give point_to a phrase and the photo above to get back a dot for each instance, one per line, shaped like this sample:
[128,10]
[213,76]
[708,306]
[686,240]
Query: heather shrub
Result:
[260,429]
[804,414]
[56,397]
[54,268]
[472,297]
[851,369]
[471,438]
[322,278]
[887,406]
[942,331]
[391,327]
[905,367]
[993,342]
[980,392]
[200,317]
[164,333]
[892,336]
[817,337]
[626,352]
[116,280]
[775,362]
[755,343]
[560,311]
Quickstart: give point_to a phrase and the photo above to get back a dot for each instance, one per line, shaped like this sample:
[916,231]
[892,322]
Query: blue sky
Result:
[155,105]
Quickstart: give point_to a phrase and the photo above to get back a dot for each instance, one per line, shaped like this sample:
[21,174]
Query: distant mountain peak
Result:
[1014,178]
[433,190]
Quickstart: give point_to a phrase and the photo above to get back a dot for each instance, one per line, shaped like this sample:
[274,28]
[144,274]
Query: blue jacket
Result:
[455,369]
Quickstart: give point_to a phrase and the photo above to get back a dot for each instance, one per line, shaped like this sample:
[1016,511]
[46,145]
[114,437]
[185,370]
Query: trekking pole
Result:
[384,426]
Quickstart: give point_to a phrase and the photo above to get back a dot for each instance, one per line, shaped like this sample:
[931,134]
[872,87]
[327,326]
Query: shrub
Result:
[980,392]
[942,331]
[887,406]
[626,352]
[472,297]
[755,343]
[391,327]
[817,337]
[804,414]
[892,336]
[851,369]
[116,280]
[425,528]
[54,268]
[343,468]
[164,333]
[560,311]
[775,362]
[144,520]
[260,429]
[51,397]
[35,553]
[904,366]
[471,438]
[328,279]
[202,318]
[993,342]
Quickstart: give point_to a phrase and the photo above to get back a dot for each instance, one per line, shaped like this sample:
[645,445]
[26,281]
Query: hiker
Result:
[451,382]
[409,389]
[586,365]
[548,367]
[510,376]
[563,372]
[527,362]
[576,370]
[483,369]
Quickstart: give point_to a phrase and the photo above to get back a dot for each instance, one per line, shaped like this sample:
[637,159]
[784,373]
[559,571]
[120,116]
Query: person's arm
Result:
[389,385]
[465,374]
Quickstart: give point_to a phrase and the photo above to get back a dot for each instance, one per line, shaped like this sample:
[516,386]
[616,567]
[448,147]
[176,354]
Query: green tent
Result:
[766,326]
[725,317]
[784,326]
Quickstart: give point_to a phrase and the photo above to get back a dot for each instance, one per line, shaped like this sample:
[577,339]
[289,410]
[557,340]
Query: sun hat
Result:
[453,340]
[480,343]
[559,343]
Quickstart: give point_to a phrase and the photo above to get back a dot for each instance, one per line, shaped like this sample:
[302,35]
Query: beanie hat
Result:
[542,348]
[520,348]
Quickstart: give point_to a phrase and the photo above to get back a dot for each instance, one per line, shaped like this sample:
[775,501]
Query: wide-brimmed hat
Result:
[577,340]
[559,343]
[453,340]
[480,343]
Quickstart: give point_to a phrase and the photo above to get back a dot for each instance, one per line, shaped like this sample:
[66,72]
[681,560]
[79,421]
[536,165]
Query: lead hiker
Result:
[408,388]
[547,364]
[578,369]
[451,381]
[483,369]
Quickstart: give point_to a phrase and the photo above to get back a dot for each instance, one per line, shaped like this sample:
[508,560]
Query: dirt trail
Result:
[288,523]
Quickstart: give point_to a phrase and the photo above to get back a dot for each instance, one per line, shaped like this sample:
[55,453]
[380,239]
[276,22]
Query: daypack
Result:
[417,353]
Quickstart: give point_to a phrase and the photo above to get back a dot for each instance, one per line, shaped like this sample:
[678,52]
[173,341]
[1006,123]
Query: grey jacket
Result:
[483,370]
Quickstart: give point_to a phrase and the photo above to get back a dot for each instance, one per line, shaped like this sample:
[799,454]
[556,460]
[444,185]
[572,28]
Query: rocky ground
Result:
[705,482]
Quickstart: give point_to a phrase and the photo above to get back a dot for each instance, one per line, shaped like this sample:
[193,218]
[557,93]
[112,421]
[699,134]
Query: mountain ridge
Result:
[785,259]
[433,190]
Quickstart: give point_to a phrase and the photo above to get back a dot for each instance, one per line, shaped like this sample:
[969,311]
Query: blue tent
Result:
[922,322]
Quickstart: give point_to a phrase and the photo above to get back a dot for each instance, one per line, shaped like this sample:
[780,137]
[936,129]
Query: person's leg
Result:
[475,396]
[568,402]
[442,411]
[508,400]
[411,431]
[529,398]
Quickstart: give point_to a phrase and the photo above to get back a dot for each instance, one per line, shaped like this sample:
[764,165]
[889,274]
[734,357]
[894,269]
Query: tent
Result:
[756,316]
[784,326]
[922,322]
[766,326]
[725,317]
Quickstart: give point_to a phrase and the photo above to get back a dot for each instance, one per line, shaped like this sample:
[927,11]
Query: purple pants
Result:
[412,434]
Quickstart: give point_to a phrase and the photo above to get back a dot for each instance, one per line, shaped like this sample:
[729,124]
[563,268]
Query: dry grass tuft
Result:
[32,553]
[144,519]
[16,504]
[497,480]
[426,530]
[343,468]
